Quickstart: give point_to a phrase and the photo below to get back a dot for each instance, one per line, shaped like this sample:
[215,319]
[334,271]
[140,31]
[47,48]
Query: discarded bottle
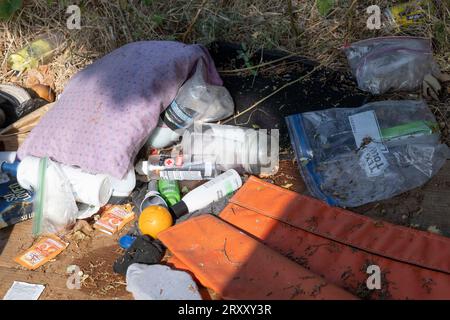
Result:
[170,191]
[186,171]
[231,147]
[38,51]
[211,191]
[211,148]
[173,166]
[195,101]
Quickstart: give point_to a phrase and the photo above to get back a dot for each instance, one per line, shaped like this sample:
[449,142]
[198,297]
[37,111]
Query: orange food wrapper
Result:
[41,252]
[114,218]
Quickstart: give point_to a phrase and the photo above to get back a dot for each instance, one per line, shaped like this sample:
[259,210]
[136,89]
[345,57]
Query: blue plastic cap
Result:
[10,168]
[126,241]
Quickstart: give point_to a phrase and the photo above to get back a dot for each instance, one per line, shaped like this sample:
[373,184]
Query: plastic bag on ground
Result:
[204,101]
[54,205]
[197,100]
[391,63]
[349,157]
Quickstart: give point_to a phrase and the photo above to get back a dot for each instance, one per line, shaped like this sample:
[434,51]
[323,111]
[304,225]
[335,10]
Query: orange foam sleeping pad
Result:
[340,245]
[236,266]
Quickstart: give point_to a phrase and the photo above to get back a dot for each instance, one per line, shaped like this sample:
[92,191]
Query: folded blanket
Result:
[108,109]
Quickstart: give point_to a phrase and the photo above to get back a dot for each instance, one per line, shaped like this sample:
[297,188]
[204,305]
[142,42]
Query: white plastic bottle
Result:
[231,147]
[207,193]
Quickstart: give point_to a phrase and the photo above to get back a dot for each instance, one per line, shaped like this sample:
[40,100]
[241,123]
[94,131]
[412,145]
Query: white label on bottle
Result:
[372,160]
[218,179]
[176,117]
[208,169]
[365,126]
[181,175]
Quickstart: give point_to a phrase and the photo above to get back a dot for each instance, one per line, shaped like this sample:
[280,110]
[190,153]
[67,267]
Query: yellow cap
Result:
[153,220]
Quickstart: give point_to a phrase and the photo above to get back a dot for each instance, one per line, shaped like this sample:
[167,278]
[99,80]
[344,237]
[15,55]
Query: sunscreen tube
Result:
[211,191]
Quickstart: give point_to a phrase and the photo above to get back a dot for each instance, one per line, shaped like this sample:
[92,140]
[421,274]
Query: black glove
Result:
[144,250]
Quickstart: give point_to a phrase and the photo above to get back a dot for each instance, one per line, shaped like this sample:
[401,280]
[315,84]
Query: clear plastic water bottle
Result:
[195,101]
[38,51]
[231,147]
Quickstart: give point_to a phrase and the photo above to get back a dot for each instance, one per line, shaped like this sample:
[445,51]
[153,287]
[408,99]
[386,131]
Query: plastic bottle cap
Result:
[179,209]
[10,168]
[126,241]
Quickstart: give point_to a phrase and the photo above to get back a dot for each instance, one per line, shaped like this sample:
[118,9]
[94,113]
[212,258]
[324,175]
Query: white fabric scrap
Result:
[158,282]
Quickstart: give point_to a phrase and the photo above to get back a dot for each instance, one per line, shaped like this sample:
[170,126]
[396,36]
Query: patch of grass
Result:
[8,7]
[325,6]
[243,54]
[267,24]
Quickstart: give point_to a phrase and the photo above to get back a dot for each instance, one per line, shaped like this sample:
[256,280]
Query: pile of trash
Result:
[149,114]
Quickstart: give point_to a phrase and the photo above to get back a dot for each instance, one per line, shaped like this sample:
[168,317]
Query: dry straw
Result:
[294,26]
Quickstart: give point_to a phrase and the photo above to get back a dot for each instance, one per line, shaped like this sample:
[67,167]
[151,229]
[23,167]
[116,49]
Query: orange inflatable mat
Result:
[340,245]
[236,266]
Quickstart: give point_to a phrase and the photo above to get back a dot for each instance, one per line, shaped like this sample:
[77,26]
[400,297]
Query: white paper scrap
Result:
[365,125]
[24,291]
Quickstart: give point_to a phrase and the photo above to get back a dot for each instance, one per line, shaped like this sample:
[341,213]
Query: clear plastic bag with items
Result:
[391,63]
[352,156]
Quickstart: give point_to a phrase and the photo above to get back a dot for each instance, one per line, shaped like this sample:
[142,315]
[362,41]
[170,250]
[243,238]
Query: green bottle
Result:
[170,191]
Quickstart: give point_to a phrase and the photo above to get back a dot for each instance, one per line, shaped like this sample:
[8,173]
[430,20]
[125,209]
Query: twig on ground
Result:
[259,65]
[292,18]
[189,29]
[257,103]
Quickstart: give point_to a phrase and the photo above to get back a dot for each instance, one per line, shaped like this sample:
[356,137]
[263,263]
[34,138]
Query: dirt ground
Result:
[94,253]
